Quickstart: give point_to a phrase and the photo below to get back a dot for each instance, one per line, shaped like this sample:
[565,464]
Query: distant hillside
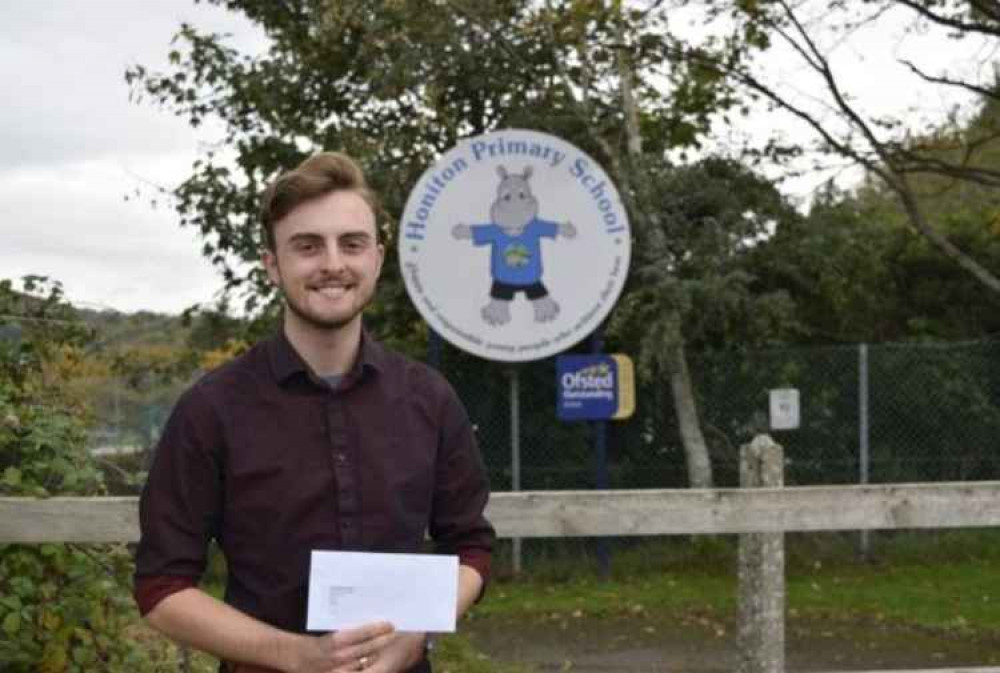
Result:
[117,331]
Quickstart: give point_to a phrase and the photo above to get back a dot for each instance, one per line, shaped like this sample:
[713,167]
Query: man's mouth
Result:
[332,290]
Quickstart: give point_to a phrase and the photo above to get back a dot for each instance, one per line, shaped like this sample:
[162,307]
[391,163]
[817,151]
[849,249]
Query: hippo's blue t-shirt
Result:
[515,260]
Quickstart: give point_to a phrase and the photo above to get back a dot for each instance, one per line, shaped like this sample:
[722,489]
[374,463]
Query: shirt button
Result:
[341,458]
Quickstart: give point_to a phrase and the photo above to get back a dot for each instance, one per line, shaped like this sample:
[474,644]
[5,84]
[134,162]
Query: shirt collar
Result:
[286,361]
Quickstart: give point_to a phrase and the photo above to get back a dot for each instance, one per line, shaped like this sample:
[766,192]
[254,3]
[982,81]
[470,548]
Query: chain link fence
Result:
[888,413]
[931,413]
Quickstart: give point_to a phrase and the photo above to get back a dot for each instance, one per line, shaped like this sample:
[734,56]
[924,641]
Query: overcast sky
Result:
[72,146]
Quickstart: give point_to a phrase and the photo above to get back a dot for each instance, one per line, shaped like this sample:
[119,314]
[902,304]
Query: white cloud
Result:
[73,146]
[72,223]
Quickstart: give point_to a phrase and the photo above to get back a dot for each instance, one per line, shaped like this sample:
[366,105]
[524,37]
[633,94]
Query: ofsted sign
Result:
[595,387]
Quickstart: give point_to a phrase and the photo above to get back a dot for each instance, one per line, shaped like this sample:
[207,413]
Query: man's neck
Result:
[328,352]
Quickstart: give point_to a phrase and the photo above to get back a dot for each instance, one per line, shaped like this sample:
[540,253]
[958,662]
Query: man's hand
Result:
[403,652]
[344,651]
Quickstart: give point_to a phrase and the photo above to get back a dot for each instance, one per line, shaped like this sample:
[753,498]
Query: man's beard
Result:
[318,321]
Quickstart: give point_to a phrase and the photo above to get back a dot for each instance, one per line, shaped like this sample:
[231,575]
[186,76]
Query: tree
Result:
[856,272]
[694,284]
[947,154]
[397,83]
[840,266]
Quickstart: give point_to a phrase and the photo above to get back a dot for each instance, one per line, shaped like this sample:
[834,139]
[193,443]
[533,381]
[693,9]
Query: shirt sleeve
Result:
[484,234]
[458,524]
[149,591]
[545,228]
[180,506]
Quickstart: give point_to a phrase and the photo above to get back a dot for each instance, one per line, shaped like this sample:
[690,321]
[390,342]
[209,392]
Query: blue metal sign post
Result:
[596,388]
[601,465]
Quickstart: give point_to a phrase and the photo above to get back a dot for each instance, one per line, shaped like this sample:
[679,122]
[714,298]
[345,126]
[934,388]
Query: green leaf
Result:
[51,621]
[23,586]
[84,655]
[56,658]
[12,477]
[12,623]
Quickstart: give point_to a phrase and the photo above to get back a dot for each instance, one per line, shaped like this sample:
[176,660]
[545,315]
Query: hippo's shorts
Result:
[506,291]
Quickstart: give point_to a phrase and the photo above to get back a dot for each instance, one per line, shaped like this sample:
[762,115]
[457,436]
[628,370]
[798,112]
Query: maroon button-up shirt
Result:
[272,463]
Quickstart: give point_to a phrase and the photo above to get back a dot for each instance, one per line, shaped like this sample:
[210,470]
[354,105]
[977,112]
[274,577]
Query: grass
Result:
[586,596]
[455,654]
[960,595]
[947,582]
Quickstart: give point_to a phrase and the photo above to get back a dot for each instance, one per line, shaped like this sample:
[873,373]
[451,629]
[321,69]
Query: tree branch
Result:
[583,112]
[957,24]
[947,81]
[922,164]
[825,134]
[822,66]
[989,8]
[886,159]
[918,220]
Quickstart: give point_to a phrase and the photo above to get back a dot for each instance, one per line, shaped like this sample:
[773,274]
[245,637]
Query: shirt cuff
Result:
[149,591]
[478,560]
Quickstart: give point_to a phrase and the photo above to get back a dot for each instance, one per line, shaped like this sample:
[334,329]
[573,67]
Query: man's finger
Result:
[360,634]
[371,650]
[347,647]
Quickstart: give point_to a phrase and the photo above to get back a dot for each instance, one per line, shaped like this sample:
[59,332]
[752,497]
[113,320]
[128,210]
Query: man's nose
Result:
[333,259]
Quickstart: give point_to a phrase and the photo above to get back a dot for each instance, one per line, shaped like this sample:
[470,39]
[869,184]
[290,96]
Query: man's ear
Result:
[381,260]
[270,261]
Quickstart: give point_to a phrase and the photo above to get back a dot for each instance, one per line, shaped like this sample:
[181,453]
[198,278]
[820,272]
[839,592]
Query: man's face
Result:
[326,259]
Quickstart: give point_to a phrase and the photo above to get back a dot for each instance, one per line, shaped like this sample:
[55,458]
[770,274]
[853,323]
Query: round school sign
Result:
[514,245]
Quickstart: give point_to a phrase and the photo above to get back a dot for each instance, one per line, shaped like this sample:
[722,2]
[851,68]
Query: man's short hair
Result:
[317,176]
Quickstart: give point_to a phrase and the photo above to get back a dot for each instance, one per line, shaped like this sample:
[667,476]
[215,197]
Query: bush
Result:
[63,607]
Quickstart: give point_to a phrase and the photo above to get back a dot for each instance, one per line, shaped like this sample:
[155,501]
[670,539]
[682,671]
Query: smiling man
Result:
[317,439]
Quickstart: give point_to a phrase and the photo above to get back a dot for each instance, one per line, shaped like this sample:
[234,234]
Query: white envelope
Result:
[414,592]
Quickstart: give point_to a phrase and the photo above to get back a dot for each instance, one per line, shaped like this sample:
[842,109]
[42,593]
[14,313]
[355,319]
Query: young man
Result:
[318,439]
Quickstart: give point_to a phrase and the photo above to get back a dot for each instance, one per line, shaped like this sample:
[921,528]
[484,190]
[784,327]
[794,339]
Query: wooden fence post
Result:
[761,642]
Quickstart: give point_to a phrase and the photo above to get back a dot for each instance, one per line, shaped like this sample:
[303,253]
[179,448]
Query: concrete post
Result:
[761,642]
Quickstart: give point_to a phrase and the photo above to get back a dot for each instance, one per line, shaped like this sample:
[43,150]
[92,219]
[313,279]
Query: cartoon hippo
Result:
[515,234]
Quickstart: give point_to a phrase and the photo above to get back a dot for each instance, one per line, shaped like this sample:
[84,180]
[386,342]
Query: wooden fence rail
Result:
[748,512]
[531,514]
